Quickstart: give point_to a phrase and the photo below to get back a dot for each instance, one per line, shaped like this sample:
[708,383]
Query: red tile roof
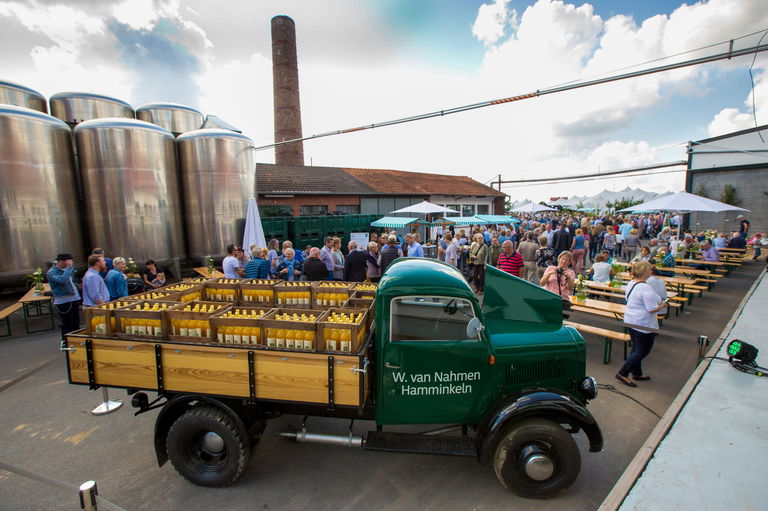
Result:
[420,183]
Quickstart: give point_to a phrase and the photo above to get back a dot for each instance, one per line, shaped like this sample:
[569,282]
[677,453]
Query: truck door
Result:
[433,372]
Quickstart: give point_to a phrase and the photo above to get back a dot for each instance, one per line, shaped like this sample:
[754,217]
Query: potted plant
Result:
[37,281]
[209,264]
[581,291]
[132,269]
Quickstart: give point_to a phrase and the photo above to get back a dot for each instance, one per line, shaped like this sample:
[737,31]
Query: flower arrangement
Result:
[658,259]
[132,269]
[209,264]
[37,280]
[581,292]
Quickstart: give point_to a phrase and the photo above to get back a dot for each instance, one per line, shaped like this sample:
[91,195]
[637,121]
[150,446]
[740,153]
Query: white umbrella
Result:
[254,232]
[532,207]
[425,208]
[684,202]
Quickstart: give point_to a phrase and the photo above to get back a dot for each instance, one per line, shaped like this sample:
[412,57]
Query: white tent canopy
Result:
[424,208]
[684,202]
[254,232]
[532,207]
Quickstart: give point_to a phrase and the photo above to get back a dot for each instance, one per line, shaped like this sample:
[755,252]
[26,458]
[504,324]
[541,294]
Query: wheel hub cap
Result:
[213,443]
[539,467]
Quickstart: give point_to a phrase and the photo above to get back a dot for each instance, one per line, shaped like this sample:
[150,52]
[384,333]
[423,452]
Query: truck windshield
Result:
[430,318]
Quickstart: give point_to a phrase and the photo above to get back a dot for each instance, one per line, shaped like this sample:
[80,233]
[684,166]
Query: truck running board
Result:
[413,443]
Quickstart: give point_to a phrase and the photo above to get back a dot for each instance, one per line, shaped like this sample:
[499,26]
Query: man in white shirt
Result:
[230,265]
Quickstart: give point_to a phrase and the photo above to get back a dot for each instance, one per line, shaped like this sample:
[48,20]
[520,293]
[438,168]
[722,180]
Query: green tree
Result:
[702,191]
[729,195]
[622,203]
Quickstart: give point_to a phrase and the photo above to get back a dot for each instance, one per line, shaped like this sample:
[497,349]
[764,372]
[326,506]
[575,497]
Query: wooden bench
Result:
[607,336]
[5,317]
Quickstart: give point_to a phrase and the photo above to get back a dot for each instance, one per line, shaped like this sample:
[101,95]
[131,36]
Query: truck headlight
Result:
[588,388]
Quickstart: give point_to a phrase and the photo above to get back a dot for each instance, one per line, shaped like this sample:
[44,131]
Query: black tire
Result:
[194,460]
[542,438]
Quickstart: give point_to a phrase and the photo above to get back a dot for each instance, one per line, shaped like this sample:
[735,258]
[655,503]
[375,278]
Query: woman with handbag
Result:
[478,254]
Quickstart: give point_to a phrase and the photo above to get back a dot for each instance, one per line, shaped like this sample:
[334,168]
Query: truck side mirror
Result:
[474,327]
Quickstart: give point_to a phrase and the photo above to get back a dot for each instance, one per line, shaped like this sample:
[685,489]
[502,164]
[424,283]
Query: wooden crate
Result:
[187,291]
[329,334]
[294,294]
[272,328]
[134,322]
[100,319]
[257,292]
[159,294]
[362,303]
[177,332]
[221,325]
[330,294]
[197,280]
[222,290]
[364,295]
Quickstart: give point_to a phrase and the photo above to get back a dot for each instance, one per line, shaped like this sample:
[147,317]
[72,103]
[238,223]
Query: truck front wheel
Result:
[536,458]
[207,448]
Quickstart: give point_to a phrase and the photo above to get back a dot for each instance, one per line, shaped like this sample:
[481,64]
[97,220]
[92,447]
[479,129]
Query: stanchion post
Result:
[106,406]
[88,492]
[703,345]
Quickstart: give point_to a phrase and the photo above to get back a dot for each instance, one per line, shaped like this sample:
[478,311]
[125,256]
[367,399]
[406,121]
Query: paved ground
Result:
[45,427]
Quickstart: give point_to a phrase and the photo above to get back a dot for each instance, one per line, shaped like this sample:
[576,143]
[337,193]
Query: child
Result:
[756,242]
[159,281]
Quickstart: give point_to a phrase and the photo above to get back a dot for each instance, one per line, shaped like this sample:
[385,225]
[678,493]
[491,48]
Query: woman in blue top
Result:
[258,266]
[578,248]
[117,282]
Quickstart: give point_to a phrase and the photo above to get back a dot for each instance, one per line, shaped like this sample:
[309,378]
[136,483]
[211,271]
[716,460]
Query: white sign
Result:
[362,239]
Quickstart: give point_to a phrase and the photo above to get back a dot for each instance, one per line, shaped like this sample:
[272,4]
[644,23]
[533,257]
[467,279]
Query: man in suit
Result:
[561,240]
[356,263]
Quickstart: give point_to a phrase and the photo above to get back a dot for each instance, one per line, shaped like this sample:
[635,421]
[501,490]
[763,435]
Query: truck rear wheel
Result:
[207,448]
[536,458]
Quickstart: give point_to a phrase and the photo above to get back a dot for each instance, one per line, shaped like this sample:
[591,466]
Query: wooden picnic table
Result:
[38,305]
[204,272]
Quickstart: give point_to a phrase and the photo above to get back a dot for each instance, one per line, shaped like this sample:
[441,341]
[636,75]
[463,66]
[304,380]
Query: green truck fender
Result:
[548,404]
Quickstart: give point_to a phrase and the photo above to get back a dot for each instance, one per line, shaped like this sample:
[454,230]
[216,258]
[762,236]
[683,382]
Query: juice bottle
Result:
[256,335]
[344,340]
[280,338]
[112,323]
[331,339]
[238,335]
[271,337]
[229,334]
[184,327]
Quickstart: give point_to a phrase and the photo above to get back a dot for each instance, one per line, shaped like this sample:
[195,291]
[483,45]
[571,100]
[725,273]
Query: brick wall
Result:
[310,200]
[751,187]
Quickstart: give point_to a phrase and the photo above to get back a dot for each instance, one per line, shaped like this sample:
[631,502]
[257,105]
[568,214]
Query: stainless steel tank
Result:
[19,95]
[38,194]
[131,190]
[171,116]
[76,107]
[218,177]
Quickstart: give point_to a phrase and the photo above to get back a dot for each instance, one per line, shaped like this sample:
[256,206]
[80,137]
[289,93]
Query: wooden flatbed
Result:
[239,371]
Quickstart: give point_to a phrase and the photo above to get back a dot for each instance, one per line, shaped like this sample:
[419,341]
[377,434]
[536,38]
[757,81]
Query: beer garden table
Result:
[37,305]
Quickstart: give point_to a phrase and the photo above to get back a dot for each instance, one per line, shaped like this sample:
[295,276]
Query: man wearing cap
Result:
[66,298]
[94,289]
[743,226]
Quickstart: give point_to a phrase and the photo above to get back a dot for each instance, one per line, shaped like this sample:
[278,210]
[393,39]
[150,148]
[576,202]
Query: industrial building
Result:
[302,190]
[738,159]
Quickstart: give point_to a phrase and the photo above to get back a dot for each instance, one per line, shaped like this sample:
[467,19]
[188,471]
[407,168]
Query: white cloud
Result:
[491,21]
[729,120]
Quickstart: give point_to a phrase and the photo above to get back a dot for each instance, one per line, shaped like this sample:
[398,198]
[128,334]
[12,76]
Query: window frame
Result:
[408,341]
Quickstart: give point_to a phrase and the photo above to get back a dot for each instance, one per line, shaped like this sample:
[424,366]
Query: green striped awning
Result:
[393,222]
[498,219]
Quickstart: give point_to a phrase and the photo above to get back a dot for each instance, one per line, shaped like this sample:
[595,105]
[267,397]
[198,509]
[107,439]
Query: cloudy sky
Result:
[364,61]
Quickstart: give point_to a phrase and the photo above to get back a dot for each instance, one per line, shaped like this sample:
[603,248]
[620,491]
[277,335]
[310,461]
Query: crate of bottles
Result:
[195,280]
[365,286]
[294,294]
[187,291]
[222,290]
[191,321]
[364,295]
[342,330]
[143,320]
[367,304]
[330,294]
[257,292]
[239,325]
[160,294]
[100,319]
[293,329]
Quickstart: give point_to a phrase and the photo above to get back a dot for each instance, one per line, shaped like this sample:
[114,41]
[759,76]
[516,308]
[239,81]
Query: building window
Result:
[313,210]
[482,209]
[275,210]
[467,210]
[348,210]
[454,207]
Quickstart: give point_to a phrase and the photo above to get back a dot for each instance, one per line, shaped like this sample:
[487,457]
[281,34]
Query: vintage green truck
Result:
[506,373]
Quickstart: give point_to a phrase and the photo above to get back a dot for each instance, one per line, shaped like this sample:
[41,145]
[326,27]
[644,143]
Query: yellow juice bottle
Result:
[280,338]
[255,335]
[112,323]
[345,340]
[237,337]
[290,338]
[307,337]
[331,339]
[184,327]
[229,334]
[270,337]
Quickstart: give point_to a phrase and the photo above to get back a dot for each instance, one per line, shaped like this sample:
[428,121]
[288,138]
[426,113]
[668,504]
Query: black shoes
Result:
[625,381]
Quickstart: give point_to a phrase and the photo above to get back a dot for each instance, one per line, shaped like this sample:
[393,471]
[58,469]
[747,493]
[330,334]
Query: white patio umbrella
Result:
[683,202]
[424,208]
[532,207]
[254,231]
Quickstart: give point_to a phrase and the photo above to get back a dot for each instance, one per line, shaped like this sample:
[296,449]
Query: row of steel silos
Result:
[148,183]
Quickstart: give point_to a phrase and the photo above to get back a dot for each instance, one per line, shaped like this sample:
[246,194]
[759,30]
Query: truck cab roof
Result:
[418,275]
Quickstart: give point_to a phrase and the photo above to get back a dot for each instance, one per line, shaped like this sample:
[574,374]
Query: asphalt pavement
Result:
[46,428]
